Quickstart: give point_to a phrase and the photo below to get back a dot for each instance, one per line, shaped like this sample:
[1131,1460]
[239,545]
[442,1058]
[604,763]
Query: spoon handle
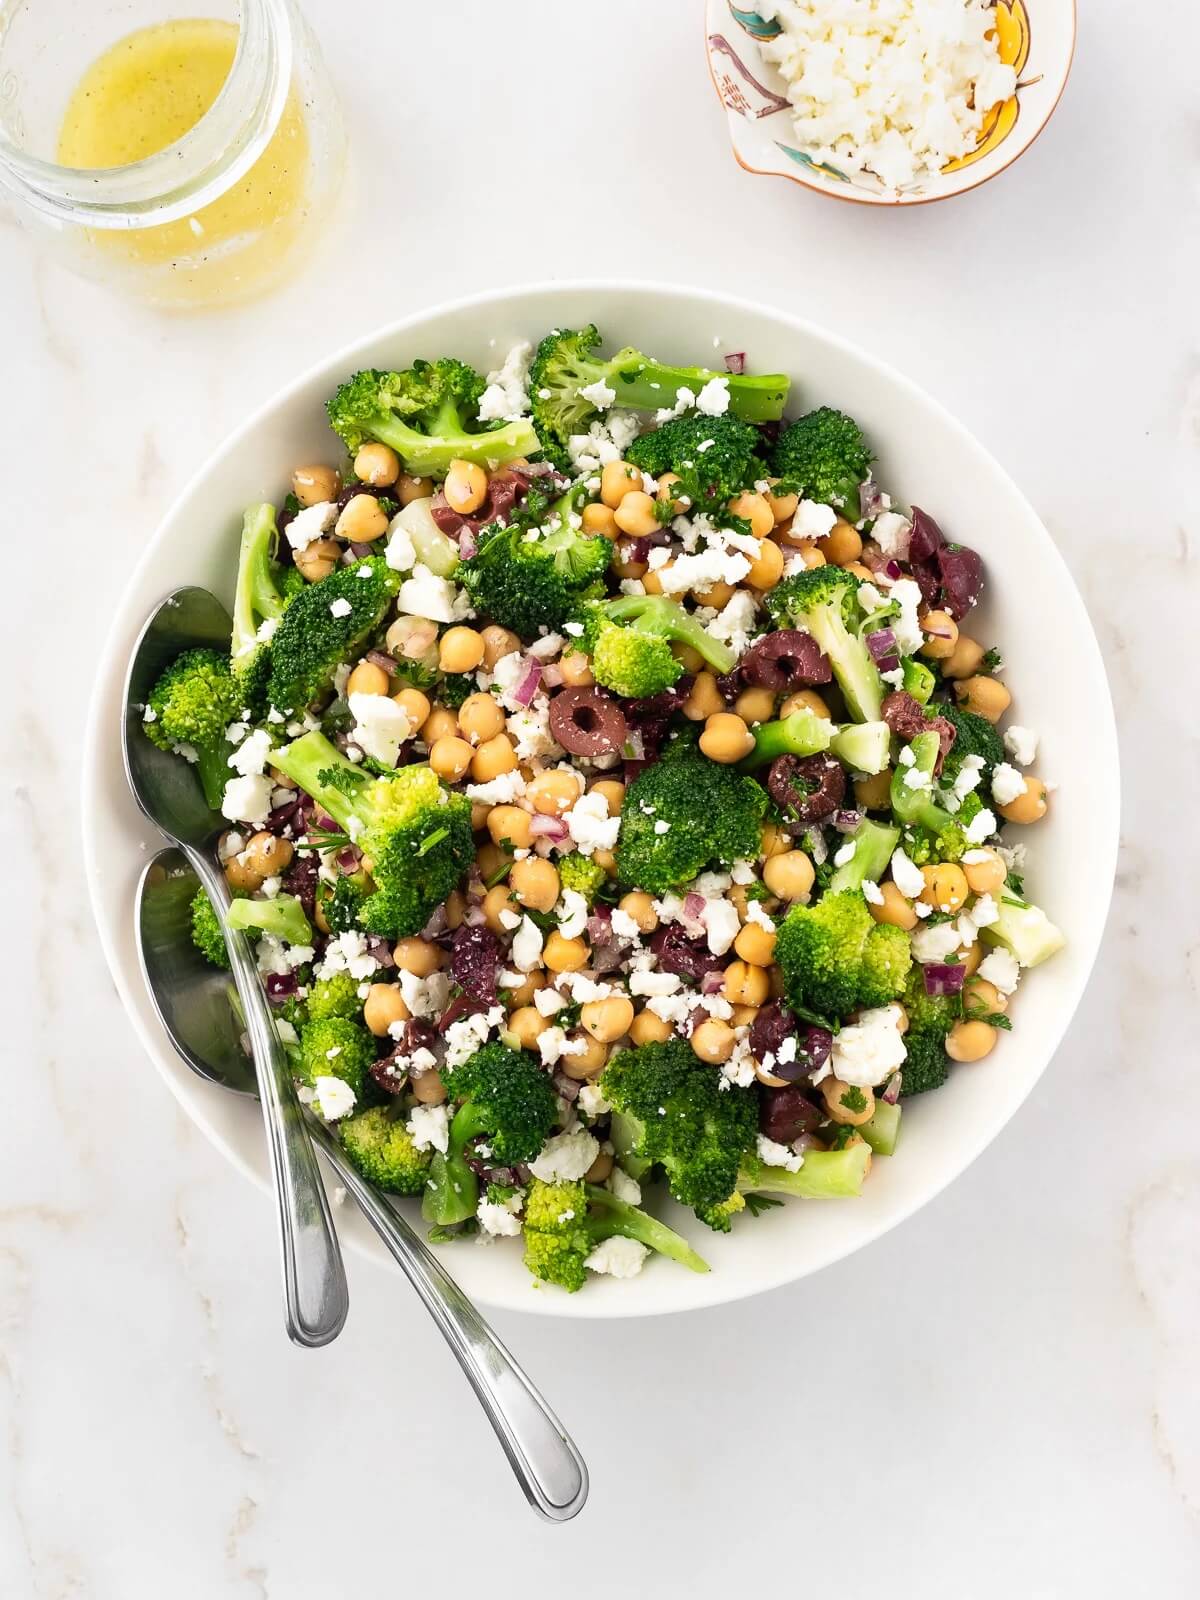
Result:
[314,1278]
[544,1458]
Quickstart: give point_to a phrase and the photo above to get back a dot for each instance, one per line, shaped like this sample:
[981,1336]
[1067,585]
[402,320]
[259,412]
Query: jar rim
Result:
[199,166]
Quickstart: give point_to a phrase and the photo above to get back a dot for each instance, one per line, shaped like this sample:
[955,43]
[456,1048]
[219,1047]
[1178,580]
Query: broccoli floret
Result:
[380,1147]
[206,931]
[531,584]
[335,996]
[566,363]
[316,634]
[629,640]
[1025,931]
[416,834]
[579,872]
[862,746]
[428,415]
[835,957]
[564,1222]
[714,456]
[824,601]
[343,903]
[263,592]
[973,736]
[929,1013]
[506,1097]
[926,1064]
[680,1112]
[283,918]
[873,845]
[335,1047]
[824,457]
[916,808]
[192,704]
[713,816]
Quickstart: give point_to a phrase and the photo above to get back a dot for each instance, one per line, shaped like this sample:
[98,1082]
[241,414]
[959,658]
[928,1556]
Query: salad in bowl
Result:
[617,796]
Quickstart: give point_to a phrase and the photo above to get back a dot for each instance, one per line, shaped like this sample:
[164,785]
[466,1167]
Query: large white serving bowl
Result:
[1031,607]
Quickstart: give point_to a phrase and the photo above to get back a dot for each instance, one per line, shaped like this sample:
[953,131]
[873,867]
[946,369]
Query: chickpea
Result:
[456,910]
[790,875]
[965,660]
[863,574]
[493,758]
[598,519]
[417,956]
[524,992]
[489,858]
[450,758]
[625,567]
[766,568]
[480,717]
[496,900]
[243,874]
[377,464]
[367,678]
[589,1061]
[941,635]
[726,738]
[713,1041]
[511,823]
[980,995]
[498,642]
[315,486]
[526,1025]
[773,841]
[605,860]
[946,886]
[842,544]
[576,670]
[895,909]
[383,1006]
[769,1078]
[986,876]
[718,595]
[874,794]
[970,958]
[987,697]
[640,907]
[755,705]
[561,954]
[649,1028]
[755,945]
[745,985]
[743,1016]
[361,519]
[460,650]
[414,705]
[320,920]
[554,792]
[427,1087]
[1027,807]
[613,791]
[666,487]
[601,1168]
[705,700]
[318,559]
[267,854]
[607,1019]
[756,510]
[441,723]
[617,479]
[409,488]
[535,883]
[635,515]
[835,1093]
[810,554]
[466,487]
[970,1041]
[690,660]
[782,506]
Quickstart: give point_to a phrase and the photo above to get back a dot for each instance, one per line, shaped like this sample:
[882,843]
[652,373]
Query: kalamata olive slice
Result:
[475,962]
[773,1024]
[587,722]
[961,571]
[926,536]
[785,659]
[784,1114]
[806,788]
[687,958]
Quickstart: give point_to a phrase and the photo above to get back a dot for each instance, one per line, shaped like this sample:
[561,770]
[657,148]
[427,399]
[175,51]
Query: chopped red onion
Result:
[894,571]
[943,978]
[531,678]
[324,823]
[735,362]
[712,982]
[281,986]
[881,644]
[870,500]
[348,858]
[599,926]
[435,925]
[380,658]
[552,675]
[467,543]
[891,1091]
[847,821]
[360,550]
[693,906]
[381,949]
[553,828]
[569,1088]
[937,633]
[606,958]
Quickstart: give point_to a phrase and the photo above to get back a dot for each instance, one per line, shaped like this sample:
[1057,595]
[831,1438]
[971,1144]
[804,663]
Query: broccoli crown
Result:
[206,931]
[579,872]
[563,364]
[687,1118]
[427,414]
[928,1013]
[557,1239]
[714,456]
[632,663]
[835,957]
[815,589]
[713,816]
[926,1064]
[312,639]
[382,1149]
[334,996]
[531,575]
[335,1047]
[973,736]
[629,640]
[342,905]
[824,601]
[509,1097]
[193,703]
[823,456]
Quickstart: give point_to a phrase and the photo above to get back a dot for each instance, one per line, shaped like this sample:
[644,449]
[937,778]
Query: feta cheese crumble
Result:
[565,1157]
[1007,784]
[1021,744]
[618,1257]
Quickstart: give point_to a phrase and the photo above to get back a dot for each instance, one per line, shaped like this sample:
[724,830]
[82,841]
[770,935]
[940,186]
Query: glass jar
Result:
[100,142]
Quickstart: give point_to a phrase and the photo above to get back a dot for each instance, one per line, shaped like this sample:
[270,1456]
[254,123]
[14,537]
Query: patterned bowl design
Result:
[760,121]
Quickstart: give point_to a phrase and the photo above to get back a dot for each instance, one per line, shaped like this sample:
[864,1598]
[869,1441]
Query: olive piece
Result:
[686,958]
[786,659]
[586,722]
[806,788]
[784,1114]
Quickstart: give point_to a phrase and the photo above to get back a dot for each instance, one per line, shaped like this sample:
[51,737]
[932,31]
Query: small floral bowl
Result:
[1040,47]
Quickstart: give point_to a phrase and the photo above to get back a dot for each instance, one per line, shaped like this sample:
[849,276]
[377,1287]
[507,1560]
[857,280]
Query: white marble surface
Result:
[998,1400]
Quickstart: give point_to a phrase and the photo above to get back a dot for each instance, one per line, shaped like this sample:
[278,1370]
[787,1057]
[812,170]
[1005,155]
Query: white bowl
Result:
[1032,609]
[1038,40]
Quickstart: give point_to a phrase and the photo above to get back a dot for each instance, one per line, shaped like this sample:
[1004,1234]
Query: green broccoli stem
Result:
[452,1192]
[916,806]
[625,1131]
[1024,930]
[257,596]
[883,1129]
[666,619]
[310,762]
[283,918]
[825,1175]
[430,454]
[919,680]
[863,746]
[608,1216]
[648,385]
[873,846]
[212,768]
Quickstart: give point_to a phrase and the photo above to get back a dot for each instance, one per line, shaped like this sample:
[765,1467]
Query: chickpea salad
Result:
[617,800]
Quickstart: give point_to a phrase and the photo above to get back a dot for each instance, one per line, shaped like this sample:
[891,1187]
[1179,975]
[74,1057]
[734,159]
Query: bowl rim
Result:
[101,751]
[895,202]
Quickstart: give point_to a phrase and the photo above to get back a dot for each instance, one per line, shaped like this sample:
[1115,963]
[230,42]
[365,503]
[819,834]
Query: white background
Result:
[999,1400]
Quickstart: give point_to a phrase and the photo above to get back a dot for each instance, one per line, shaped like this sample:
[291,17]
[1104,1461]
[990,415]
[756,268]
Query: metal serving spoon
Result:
[193,1002]
[314,1278]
